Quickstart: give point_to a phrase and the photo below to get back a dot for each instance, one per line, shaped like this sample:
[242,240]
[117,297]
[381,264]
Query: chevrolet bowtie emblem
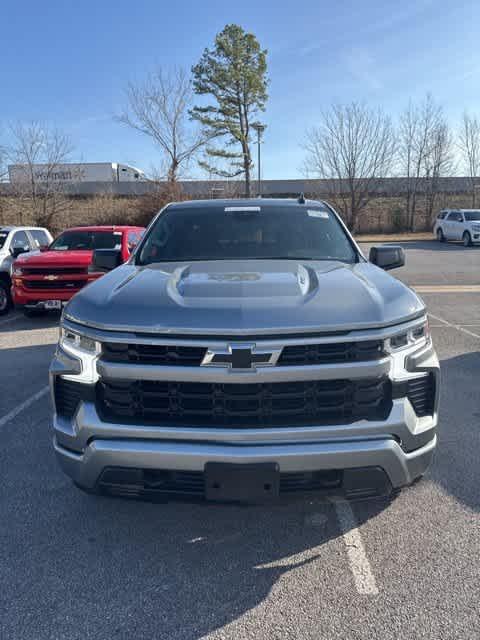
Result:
[241,357]
[51,277]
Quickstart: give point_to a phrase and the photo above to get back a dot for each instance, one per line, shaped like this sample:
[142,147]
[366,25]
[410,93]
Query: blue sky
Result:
[68,62]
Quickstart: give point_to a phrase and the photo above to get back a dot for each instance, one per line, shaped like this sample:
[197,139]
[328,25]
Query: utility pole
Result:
[259,128]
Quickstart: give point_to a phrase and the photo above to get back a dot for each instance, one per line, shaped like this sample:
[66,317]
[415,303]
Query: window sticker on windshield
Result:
[317,214]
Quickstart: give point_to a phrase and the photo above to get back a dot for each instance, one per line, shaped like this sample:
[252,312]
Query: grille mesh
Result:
[45,271]
[55,284]
[153,354]
[245,405]
[328,353]
[292,355]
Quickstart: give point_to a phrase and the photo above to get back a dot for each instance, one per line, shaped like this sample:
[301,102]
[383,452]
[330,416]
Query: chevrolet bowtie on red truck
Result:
[46,280]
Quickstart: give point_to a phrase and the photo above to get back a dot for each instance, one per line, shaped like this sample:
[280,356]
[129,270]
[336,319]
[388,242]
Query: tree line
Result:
[205,117]
[357,146]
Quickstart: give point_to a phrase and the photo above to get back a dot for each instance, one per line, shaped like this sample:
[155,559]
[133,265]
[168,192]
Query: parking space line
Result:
[454,326]
[21,407]
[447,288]
[10,318]
[357,557]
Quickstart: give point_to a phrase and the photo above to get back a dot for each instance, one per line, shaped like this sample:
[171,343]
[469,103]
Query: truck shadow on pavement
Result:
[186,570]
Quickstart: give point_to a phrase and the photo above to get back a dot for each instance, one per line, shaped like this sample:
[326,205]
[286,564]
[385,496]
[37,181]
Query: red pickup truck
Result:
[44,280]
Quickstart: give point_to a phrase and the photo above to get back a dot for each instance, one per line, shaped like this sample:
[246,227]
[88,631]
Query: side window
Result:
[442,215]
[20,241]
[455,216]
[40,237]
[133,239]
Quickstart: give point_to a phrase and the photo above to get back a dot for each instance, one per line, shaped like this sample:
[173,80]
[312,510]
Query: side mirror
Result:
[16,251]
[105,259]
[387,257]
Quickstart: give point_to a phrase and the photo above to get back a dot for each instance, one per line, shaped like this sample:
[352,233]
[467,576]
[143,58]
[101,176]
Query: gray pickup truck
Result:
[246,351]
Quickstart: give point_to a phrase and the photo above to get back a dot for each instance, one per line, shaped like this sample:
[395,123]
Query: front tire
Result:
[440,236]
[5,299]
[467,239]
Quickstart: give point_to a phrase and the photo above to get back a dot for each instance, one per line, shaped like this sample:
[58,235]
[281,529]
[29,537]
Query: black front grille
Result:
[67,397]
[55,284]
[329,353]
[153,354]
[421,393]
[245,405]
[45,271]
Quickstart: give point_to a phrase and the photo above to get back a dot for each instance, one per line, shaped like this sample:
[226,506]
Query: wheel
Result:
[5,299]
[467,239]
[440,236]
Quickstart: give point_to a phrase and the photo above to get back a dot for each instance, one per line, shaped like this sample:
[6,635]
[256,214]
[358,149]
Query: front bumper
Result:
[35,299]
[400,467]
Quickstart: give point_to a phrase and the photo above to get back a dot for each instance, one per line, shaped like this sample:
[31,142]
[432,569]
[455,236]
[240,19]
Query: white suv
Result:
[13,242]
[458,224]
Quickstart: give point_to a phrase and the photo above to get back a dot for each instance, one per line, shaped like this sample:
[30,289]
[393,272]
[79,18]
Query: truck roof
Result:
[244,202]
[120,227]
[15,228]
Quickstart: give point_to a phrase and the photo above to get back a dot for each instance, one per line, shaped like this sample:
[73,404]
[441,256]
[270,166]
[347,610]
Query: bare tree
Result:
[438,162]
[410,157]
[159,108]
[38,151]
[353,146]
[469,145]
[424,154]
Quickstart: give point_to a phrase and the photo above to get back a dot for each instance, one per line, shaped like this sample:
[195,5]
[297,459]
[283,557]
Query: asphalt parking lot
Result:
[75,566]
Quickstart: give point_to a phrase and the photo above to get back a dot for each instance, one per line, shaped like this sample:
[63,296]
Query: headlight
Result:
[17,271]
[85,350]
[476,228]
[417,336]
[75,342]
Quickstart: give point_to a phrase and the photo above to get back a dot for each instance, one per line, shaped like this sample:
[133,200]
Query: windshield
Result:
[246,233]
[472,216]
[87,241]
[3,237]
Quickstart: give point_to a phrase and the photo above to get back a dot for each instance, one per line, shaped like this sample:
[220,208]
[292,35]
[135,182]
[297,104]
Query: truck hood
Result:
[54,259]
[242,298]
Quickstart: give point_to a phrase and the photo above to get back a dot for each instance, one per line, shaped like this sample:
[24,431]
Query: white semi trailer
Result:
[75,172]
